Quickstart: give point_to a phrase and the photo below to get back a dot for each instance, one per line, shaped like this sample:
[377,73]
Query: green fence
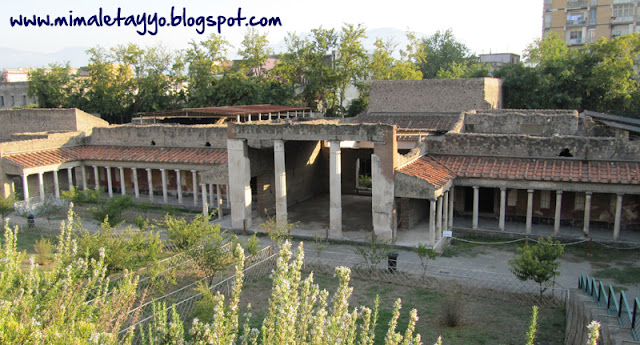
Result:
[615,305]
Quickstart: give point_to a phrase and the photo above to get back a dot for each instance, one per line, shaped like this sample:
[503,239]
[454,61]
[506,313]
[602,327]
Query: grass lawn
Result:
[484,321]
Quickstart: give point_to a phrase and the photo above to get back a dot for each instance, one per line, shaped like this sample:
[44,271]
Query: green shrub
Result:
[186,235]
[90,196]
[253,244]
[365,181]
[128,250]
[44,251]
[6,206]
[111,211]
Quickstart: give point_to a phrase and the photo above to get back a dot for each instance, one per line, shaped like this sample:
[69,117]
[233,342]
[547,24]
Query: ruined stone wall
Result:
[36,120]
[161,135]
[436,95]
[532,122]
[527,146]
[306,169]
[411,212]
[51,142]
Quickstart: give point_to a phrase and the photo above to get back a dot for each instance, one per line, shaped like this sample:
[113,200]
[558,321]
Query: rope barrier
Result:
[517,240]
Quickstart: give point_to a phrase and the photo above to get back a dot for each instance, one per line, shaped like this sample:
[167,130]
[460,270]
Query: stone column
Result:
[432,222]
[56,184]
[503,210]
[150,182]
[335,190]
[194,179]
[123,186]
[96,176]
[211,194]
[83,170]
[476,200]
[529,210]
[618,215]
[25,186]
[445,211]
[239,183]
[41,185]
[109,186]
[205,205]
[136,188]
[70,177]
[556,220]
[219,197]
[587,213]
[165,196]
[179,186]
[451,196]
[226,193]
[439,218]
[281,182]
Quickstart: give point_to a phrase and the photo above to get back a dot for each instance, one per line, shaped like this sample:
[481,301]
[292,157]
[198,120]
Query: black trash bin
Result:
[31,221]
[392,262]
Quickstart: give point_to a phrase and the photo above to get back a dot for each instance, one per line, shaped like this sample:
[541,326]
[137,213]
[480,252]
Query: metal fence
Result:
[615,305]
[185,298]
[473,282]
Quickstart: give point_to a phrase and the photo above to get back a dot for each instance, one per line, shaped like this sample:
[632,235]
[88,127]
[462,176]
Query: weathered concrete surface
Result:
[281,182]
[435,95]
[162,135]
[513,121]
[308,131]
[335,191]
[581,310]
[38,120]
[239,183]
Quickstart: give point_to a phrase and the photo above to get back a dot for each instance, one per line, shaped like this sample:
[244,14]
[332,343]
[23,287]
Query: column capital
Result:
[176,170]
[503,189]
[476,187]
[147,169]
[559,192]
[588,193]
[620,195]
[161,169]
[193,171]
[530,191]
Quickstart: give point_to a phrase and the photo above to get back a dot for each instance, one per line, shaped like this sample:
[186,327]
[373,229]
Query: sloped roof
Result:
[557,170]
[120,153]
[429,169]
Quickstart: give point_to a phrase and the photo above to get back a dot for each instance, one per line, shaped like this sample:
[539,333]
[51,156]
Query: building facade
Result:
[440,155]
[580,22]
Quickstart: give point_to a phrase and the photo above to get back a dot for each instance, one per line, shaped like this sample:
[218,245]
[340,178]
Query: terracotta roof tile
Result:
[121,153]
[428,169]
[541,169]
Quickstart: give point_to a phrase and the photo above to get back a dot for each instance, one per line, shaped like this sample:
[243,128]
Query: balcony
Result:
[575,41]
[622,20]
[576,22]
[577,4]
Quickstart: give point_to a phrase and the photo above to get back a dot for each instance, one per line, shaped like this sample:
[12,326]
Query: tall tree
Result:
[205,59]
[319,72]
[442,50]
[351,64]
[53,87]
[254,51]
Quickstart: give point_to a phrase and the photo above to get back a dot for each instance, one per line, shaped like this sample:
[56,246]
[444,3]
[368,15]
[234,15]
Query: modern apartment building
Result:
[585,21]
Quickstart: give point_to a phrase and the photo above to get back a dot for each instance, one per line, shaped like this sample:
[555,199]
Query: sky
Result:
[496,26]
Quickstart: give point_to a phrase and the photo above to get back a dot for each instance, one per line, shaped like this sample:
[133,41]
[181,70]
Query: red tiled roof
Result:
[557,170]
[45,157]
[121,153]
[430,170]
